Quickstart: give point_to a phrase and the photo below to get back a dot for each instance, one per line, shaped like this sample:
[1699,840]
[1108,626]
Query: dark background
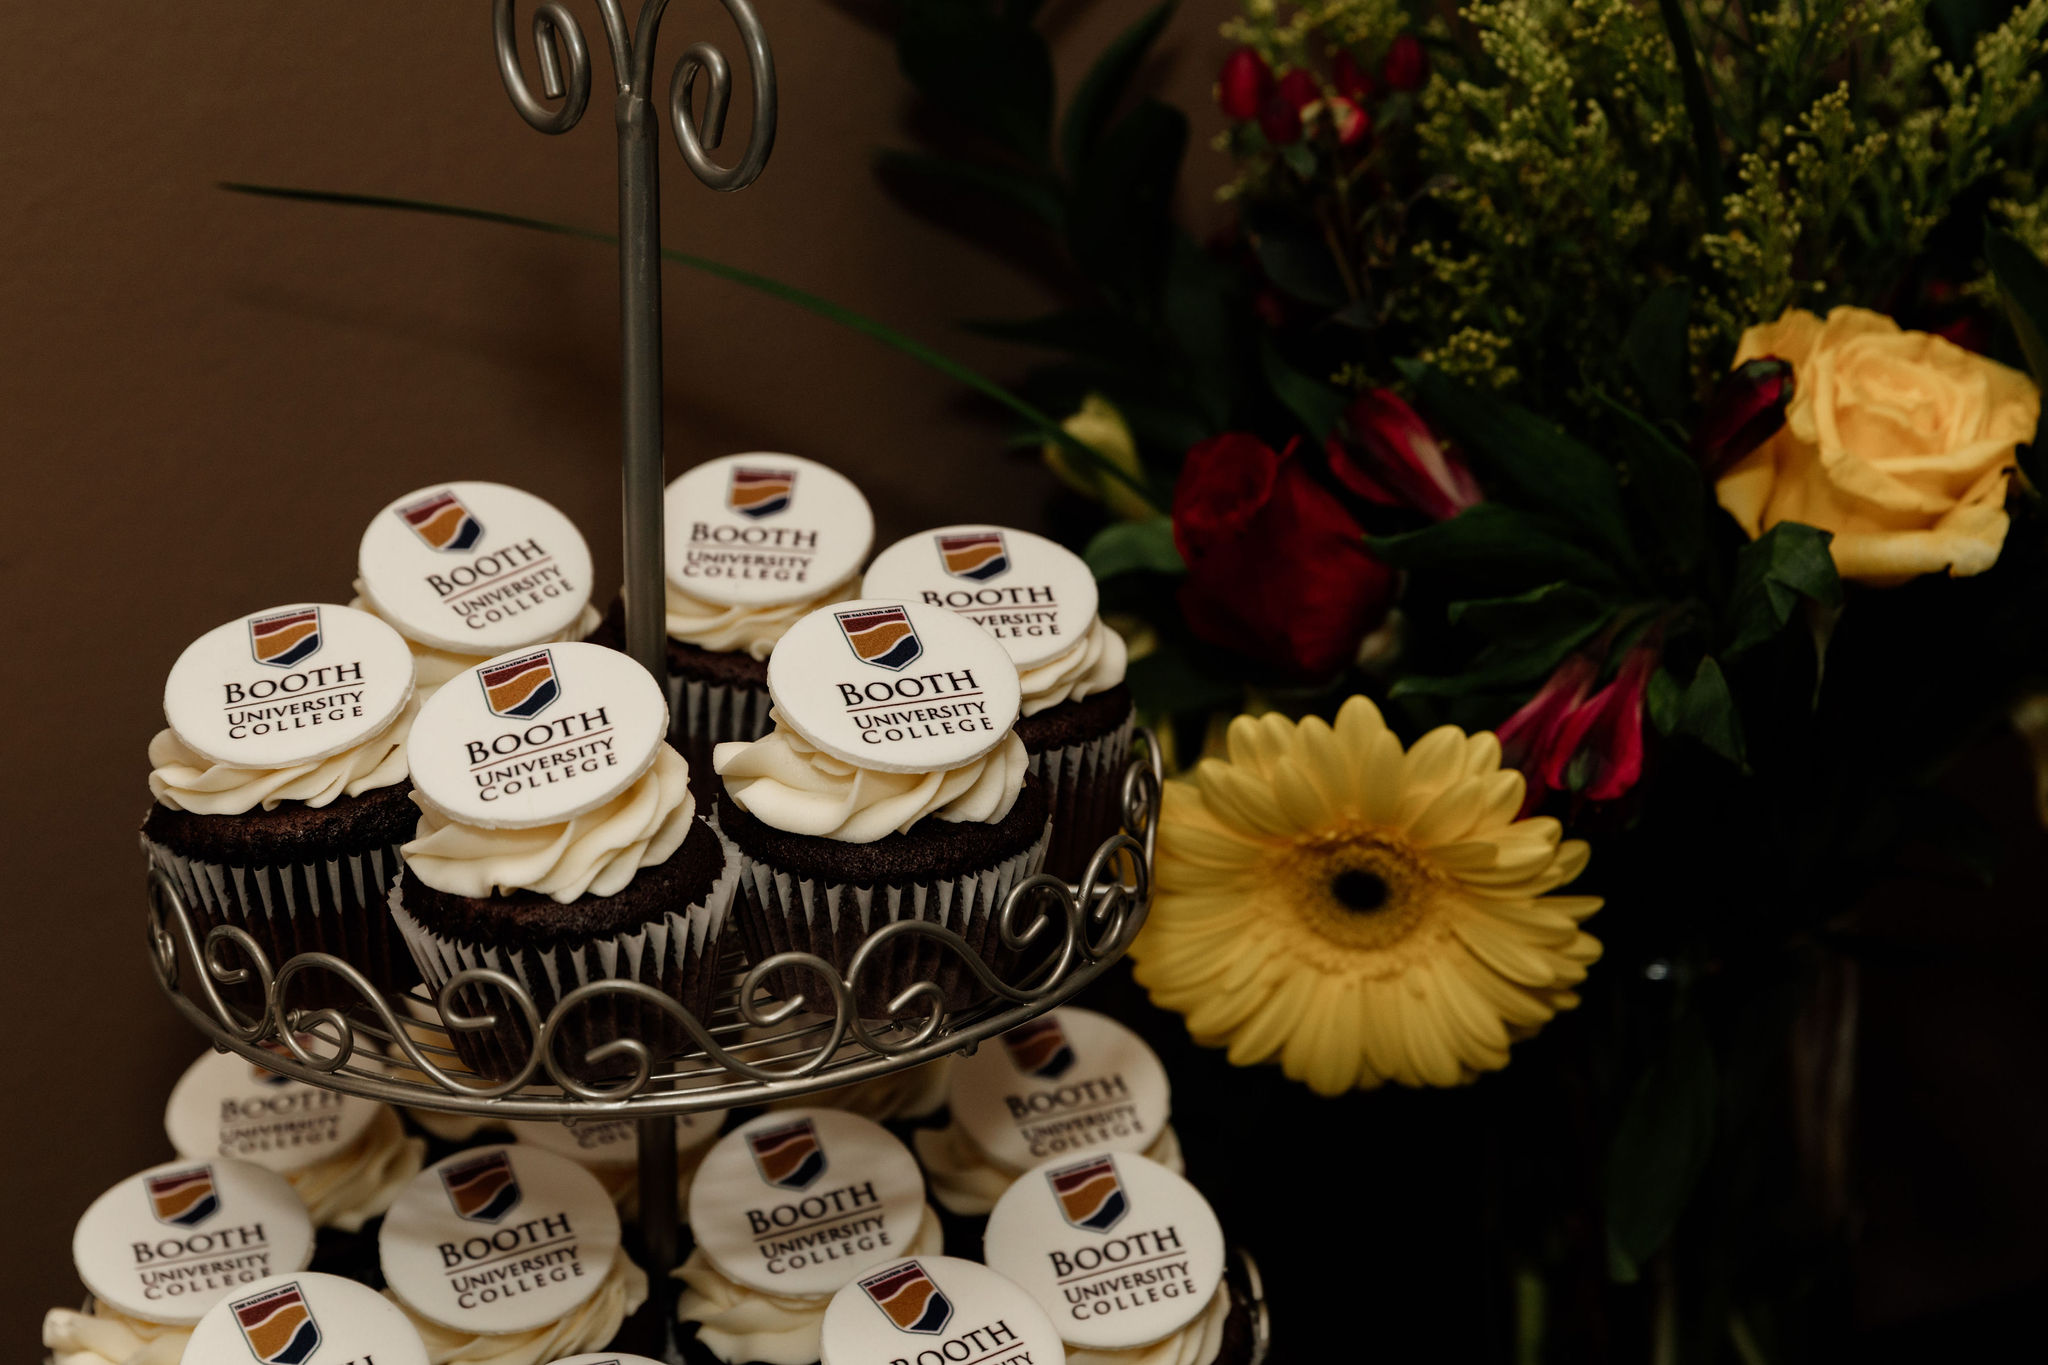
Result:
[205,396]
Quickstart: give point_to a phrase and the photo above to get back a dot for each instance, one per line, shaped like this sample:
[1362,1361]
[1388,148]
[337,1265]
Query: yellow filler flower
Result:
[1362,913]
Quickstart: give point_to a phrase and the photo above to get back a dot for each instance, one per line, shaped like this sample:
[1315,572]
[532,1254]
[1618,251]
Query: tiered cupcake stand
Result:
[396,1049]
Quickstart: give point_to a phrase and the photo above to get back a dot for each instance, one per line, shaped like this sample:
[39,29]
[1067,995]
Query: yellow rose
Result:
[1898,442]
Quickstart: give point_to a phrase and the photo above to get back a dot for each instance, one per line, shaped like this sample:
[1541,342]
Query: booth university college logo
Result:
[442,522]
[882,636]
[284,639]
[910,1298]
[483,1190]
[1039,1048]
[979,555]
[521,687]
[1090,1193]
[183,1198]
[788,1157]
[278,1325]
[760,492]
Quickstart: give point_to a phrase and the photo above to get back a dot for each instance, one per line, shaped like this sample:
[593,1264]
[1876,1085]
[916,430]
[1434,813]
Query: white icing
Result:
[1198,1343]
[595,853]
[348,1190]
[783,780]
[749,629]
[106,1337]
[433,666]
[1094,664]
[593,1323]
[182,779]
[740,1324]
[967,1181]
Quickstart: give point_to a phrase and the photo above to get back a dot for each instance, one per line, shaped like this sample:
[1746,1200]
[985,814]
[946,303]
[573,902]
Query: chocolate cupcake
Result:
[1039,600]
[558,842]
[466,571]
[892,787]
[754,543]
[1127,1259]
[280,788]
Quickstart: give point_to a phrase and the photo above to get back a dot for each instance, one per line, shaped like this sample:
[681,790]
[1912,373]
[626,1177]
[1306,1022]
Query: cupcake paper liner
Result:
[1085,783]
[782,913]
[333,905]
[676,955]
[704,715]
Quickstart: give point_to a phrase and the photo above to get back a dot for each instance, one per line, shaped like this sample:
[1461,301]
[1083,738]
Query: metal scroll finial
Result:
[563,56]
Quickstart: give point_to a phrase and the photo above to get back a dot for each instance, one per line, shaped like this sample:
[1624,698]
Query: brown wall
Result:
[206,396]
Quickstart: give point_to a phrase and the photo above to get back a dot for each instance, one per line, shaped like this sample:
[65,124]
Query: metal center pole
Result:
[640,405]
[659,1230]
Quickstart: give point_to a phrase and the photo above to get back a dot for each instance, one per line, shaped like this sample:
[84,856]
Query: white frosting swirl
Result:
[433,666]
[589,1328]
[966,1180]
[737,1323]
[595,853]
[1094,664]
[350,1188]
[782,780]
[106,1337]
[753,630]
[1198,1343]
[183,779]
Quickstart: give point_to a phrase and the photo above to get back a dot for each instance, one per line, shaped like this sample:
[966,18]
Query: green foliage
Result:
[1659,1151]
[1774,573]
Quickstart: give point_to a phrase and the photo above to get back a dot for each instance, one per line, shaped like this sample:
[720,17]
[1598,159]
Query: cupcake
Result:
[892,787]
[280,788]
[786,1210]
[1040,601]
[306,1319]
[932,1309]
[1126,1258]
[346,1157]
[754,543]
[508,1253]
[466,571]
[1069,1084]
[558,842]
[161,1248]
[610,1150]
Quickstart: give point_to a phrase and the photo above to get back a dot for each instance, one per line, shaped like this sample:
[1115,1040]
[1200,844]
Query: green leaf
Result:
[1773,573]
[1699,109]
[1316,405]
[1170,680]
[1134,546]
[1096,97]
[1546,469]
[1034,197]
[1660,1148]
[1494,543]
[1533,616]
[1657,351]
[1957,24]
[1500,669]
[1295,258]
[991,70]
[1660,699]
[1706,711]
[2023,287]
[1667,486]
[1121,223]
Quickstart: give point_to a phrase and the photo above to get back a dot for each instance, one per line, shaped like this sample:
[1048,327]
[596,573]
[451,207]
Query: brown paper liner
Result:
[1085,783]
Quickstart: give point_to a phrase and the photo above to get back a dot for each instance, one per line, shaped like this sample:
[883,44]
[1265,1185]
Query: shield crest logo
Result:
[977,555]
[788,1156]
[185,1198]
[521,687]
[882,636]
[278,1325]
[1040,1048]
[286,637]
[908,1296]
[263,1075]
[442,522]
[1090,1193]
[760,492]
[483,1189]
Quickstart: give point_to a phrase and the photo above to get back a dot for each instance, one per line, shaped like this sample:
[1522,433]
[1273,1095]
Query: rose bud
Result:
[1746,409]
[1351,123]
[1244,85]
[1407,65]
[1386,453]
[1351,80]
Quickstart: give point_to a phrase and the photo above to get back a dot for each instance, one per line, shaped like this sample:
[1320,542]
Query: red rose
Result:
[1277,569]
[1280,121]
[1244,84]
[1407,65]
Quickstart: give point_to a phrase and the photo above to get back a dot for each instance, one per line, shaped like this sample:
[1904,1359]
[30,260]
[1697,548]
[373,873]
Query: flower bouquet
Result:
[1606,419]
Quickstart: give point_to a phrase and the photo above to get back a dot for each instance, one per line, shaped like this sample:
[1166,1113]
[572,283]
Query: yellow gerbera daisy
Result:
[1366,914]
